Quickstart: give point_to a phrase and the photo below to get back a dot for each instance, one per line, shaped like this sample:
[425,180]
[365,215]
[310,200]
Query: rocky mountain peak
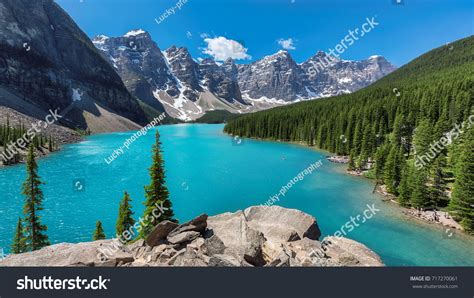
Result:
[274,79]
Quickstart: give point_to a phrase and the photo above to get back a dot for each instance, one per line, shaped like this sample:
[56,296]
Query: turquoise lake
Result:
[208,172]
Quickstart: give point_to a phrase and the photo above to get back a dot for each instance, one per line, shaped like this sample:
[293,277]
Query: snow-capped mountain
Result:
[173,81]
[170,80]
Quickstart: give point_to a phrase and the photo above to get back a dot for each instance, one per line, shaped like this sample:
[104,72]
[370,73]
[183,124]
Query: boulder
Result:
[282,260]
[213,245]
[347,252]
[197,224]
[253,251]
[258,236]
[187,258]
[230,228]
[294,237]
[279,224]
[136,245]
[68,254]
[160,232]
[224,261]
[183,237]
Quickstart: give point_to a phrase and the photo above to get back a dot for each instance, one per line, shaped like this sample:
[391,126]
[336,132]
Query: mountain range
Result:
[119,83]
[186,88]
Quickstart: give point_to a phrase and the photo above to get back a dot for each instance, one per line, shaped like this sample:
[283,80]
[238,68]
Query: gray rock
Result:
[136,245]
[197,224]
[347,252]
[283,260]
[243,238]
[67,254]
[230,228]
[160,233]
[224,261]
[294,237]
[183,237]
[253,252]
[278,224]
[213,245]
[188,258]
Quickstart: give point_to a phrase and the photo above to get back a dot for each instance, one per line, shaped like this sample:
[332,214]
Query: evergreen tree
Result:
[156,192]
[125,220]
[380,158]
[35,231]
[462,201]
[419,197]
[422,138]
[405,187]
[438,188]
[19,240]
[351,166]
[99,232]
[392,170]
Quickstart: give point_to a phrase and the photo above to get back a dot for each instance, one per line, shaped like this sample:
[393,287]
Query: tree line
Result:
[10,135]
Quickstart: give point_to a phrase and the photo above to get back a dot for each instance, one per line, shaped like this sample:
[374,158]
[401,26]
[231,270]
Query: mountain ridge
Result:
[190,87]
[45,56]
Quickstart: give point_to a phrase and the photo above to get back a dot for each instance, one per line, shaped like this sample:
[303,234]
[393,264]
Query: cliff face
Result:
[47,61]
[258,236]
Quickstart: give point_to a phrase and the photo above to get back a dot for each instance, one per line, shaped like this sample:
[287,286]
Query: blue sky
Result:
[404,31]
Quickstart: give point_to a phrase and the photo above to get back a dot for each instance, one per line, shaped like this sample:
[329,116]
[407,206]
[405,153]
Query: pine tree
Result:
[419,196]
[35,231]
[50,144]
[462,201]
[156,193]
[380,158]
[19,240]
[99,232]
[423,137]
[125,220]
[438,196]
[405,187]
[392,170]
[351,166]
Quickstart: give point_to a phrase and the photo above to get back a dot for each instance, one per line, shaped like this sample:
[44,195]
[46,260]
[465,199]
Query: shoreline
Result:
[40,154]
[66,140]
[425,216]
[440,217]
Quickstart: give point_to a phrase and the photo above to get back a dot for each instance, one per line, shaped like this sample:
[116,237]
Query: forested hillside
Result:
[414,123]
[11,149]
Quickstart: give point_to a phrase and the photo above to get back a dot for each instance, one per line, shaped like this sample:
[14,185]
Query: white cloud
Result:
[204,35]
[189,35]
[221,48]
[287,44]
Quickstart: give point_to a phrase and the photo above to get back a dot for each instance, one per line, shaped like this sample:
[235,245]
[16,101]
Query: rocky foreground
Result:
[258,236]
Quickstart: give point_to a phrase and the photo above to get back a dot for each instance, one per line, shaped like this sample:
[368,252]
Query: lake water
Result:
[208,172]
